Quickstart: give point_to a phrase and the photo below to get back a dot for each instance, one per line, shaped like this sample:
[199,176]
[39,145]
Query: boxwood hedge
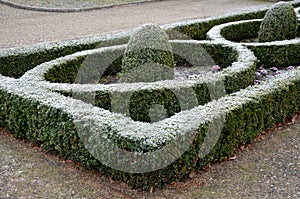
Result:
[49,119]
[279,23]
[239,68]
[277,53]
[35,109]
[15,62]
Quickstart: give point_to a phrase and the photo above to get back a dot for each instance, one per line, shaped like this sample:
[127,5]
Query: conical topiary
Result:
[279,23]
[148,56]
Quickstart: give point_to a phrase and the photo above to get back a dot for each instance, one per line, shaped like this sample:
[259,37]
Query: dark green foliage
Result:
[243,79]
[258,108]
[15,64]
[32,113]
[86,69]
[138,104]
[271,54]
[198,30]
[238,32]
[247,121]
[66,72]
[142,102]
[148,48]
[280,23]
[222,55]
[277,55]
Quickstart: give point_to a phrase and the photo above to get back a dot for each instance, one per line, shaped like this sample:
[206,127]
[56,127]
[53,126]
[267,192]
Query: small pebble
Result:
[263,72]
[216,68]
[258,74]
[256,82]
[274,69]
[261,68]
[290,68]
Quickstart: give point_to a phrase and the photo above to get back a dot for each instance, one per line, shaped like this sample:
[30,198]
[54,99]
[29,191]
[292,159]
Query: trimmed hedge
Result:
[239,72]
[148,56]
[279,23]
[49,119]
[282,54]
[15,62]
[277,53]
[198,28]
[35,109]
[241,30]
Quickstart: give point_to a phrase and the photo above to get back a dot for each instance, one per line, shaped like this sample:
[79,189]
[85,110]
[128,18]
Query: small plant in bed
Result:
[264,73]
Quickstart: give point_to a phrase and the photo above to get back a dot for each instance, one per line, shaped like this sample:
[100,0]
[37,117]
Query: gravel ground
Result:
[70,3]
[267,168]
[24,28]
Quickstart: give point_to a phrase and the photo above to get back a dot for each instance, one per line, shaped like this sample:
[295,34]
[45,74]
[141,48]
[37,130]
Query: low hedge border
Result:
[240,74]
[15,62]
[277,53]
[31,111]
[49,119]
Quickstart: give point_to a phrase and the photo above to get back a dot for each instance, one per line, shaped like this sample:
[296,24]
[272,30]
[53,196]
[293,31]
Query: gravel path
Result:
[269,168]
[69,3]
[24,28]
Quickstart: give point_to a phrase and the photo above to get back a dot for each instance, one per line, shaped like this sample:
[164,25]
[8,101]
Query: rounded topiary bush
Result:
[279,23]
[148,56]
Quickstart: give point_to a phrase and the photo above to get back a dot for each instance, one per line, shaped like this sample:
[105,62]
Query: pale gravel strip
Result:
[24,28]
[267,169]
[69,7]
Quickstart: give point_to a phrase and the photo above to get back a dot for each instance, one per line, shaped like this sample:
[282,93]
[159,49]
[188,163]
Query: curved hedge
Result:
[238,73]
[15,62]
[47,119]
[277,53]
[35,109]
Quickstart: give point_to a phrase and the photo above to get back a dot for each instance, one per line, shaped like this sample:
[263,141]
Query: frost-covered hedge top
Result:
[245,60]
[15,62]
[216,34]
[124,126]
[150,135]
[297,11]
